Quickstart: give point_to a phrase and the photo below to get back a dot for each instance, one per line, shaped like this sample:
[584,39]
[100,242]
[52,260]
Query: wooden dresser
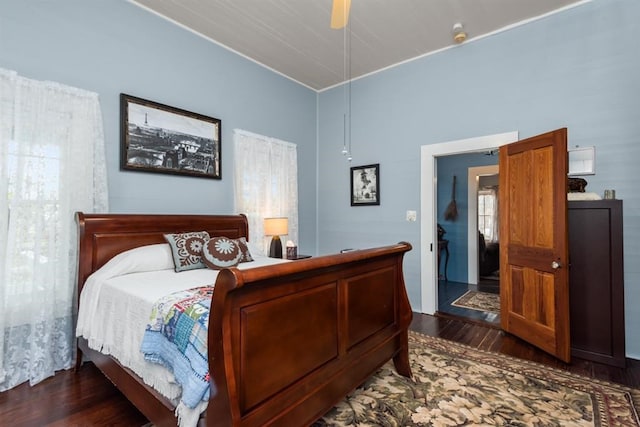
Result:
[596,280]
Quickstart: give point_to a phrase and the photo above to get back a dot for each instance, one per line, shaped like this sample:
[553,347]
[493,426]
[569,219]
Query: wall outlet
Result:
[412,216]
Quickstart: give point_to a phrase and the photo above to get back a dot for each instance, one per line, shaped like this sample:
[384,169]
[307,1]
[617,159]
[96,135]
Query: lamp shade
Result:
[276,226]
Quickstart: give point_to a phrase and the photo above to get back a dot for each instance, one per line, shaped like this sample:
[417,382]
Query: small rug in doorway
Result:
[457,385]
[481,301]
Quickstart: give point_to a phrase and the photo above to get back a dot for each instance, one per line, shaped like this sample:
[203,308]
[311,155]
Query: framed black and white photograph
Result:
[365,185]
[163,139]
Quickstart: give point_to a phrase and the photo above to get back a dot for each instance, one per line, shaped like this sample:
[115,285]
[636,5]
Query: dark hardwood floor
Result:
[449,291]
[86,398]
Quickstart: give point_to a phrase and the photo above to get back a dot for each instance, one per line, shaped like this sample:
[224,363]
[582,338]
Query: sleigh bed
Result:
[286,342]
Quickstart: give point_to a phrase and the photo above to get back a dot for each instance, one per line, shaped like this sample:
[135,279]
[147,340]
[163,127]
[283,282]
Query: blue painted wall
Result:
[577,69]
[113,46]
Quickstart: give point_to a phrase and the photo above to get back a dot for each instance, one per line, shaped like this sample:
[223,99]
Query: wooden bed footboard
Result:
[286,342]
[290,341]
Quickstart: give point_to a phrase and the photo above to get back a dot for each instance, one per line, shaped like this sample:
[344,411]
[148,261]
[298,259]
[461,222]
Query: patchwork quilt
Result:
[176,337]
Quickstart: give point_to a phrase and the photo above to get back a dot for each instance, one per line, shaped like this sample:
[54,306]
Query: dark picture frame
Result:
[365,185]
[162,139]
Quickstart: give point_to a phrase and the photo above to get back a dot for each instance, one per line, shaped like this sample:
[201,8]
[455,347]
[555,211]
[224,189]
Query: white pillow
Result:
[138,260]
[255,249]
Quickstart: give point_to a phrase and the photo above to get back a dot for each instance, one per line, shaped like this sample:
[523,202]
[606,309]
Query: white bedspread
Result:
[114,311]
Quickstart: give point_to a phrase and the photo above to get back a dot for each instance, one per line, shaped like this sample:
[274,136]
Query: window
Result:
[488,214]
[266,183]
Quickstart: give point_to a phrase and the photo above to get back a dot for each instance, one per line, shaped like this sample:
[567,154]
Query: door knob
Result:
[555,265]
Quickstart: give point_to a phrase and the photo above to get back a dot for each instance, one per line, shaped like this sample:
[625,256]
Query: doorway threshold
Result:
[479,322]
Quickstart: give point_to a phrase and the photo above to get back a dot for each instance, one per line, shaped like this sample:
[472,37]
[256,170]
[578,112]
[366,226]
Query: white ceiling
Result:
[292,37]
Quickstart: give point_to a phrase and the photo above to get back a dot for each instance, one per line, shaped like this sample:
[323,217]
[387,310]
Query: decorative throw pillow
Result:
[221,252]
[186,249]
[244,249]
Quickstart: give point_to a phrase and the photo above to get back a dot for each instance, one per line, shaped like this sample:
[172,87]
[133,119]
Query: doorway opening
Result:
[469,240]
[430,207]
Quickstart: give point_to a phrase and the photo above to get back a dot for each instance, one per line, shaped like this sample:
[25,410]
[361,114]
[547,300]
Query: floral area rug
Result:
[481,301]
[457,385]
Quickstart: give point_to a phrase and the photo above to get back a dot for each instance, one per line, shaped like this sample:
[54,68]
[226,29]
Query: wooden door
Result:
[534,285]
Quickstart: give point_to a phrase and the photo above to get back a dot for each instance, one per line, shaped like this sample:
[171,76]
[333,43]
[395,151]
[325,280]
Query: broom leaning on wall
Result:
[451,213]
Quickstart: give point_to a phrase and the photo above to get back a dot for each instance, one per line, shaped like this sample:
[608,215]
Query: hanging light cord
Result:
[350,156]
[344,93]
[346,88]
[346,138]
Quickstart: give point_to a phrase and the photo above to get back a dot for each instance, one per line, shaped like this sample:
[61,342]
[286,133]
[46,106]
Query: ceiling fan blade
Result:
[340,13]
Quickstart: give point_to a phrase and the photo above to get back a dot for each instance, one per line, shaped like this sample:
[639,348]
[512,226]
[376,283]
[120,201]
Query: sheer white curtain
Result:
[51,165]
[266,183]
[495,223]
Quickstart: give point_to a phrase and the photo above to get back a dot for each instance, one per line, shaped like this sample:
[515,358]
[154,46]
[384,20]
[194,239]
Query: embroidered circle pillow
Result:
[187,249]
[221,252]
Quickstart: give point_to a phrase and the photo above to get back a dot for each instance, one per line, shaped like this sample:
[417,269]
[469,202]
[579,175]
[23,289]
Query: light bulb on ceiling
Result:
[459,35]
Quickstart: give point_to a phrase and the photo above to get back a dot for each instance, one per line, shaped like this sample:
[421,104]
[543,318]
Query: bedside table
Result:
[300,256]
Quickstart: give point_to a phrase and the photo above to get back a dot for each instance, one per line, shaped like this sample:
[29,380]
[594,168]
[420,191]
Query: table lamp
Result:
[276,227]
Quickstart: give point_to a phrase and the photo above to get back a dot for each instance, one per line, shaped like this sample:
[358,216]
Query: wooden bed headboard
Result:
[102,236]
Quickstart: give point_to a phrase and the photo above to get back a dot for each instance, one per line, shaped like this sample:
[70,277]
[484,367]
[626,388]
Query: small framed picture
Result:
[365,185]
[162,139]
